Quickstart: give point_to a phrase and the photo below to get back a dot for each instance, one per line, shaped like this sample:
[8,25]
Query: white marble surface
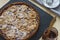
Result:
[3,2]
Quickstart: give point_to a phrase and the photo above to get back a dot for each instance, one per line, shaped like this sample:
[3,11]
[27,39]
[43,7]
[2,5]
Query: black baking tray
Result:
[45,19]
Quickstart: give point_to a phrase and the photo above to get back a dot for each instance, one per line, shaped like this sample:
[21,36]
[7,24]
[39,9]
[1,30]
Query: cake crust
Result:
[37,20]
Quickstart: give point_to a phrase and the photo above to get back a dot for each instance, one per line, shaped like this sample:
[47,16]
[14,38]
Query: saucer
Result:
[54,4]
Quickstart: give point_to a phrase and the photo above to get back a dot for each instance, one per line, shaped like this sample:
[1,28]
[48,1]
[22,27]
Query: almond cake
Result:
[18,21]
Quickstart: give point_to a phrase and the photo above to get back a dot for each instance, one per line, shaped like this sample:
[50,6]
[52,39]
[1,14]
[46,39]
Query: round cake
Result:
[18,21]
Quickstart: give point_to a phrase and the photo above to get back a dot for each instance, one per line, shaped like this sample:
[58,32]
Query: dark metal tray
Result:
[45,19]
